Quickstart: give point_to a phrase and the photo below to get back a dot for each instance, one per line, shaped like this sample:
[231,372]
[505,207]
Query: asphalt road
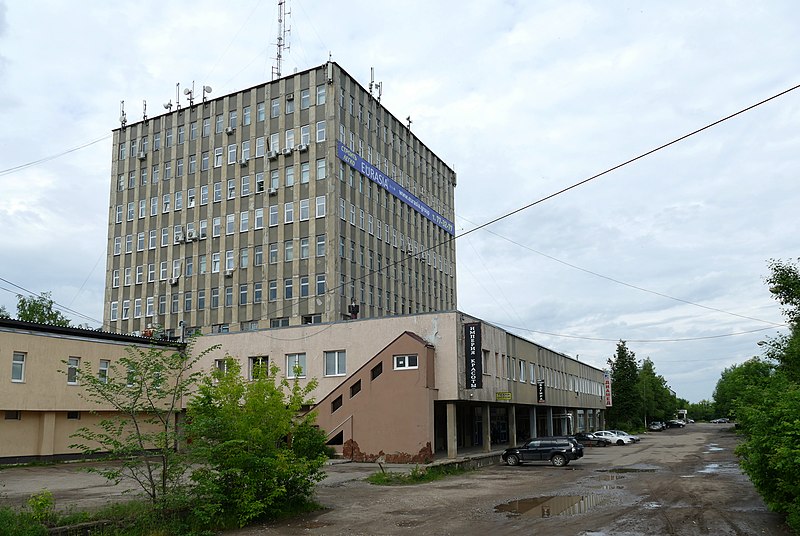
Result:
[677,482]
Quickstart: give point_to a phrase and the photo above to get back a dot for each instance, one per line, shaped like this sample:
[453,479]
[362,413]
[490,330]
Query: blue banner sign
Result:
[381,179]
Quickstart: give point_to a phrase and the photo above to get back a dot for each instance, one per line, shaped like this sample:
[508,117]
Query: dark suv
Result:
[558,450]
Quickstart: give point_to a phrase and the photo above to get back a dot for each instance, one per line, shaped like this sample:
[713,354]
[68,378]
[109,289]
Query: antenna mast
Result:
[283,38]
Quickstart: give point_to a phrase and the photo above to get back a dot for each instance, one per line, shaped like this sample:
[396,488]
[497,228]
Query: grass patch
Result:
[418,475]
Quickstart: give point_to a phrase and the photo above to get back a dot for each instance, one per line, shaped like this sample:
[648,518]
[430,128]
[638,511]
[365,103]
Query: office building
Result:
[297,201]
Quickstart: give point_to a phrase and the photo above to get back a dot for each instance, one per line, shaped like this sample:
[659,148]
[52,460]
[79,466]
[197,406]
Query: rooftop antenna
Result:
[409,121]
[144,110]
[283,39]
[168,105]
[123,120]
[177,95]
[206,91]
[373,84]
[190,94]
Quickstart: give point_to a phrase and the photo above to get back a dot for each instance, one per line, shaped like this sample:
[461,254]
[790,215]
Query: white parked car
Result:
[616,439]
[623,433]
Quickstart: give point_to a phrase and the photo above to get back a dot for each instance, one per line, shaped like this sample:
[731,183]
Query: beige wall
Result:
[373,421]
[44,397]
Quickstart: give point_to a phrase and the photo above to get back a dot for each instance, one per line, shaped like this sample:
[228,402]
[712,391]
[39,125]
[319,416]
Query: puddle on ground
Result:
[712,448]
[651,505]
[628,470]
[551,506]
[717,468]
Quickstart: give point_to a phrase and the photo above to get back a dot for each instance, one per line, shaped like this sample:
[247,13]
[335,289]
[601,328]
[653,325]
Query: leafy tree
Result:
[702,411]
[767,408]
[145,390]
[734,385]
[626,393]
[243,431]
[658,402]
[39,309]
[4,313]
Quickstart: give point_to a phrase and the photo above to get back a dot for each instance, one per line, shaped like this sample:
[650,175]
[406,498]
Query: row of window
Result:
[247,187]
[213,263]
[197,128]
[334,364]
[513,369]
[291,143]
[18,361]
[299,287]
[199,230]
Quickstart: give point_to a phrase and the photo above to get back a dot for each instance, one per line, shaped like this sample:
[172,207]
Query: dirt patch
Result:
[678,482]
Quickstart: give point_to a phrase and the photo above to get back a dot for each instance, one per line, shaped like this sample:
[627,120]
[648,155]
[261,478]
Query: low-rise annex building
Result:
[401,389]
[40,397]
[408,388]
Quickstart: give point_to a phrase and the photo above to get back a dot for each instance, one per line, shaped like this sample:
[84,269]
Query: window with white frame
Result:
[335,363]
[295,366]
[72,370]
[102,372]
[259,367]
[403,362]
[18,367]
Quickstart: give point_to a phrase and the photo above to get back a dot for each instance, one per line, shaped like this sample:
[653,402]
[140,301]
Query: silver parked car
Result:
[635,438]
[616,439]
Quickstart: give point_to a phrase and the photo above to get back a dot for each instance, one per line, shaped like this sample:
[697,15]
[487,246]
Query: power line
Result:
[56,304]
[51,157]
[603,339]
[619,282]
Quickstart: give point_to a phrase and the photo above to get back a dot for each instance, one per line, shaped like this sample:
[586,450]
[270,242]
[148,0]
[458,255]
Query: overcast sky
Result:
[522,98]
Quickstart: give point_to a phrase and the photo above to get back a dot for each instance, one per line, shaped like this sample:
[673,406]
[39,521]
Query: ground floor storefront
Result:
[460,425]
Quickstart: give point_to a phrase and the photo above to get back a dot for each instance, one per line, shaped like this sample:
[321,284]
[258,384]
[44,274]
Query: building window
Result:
[295,366]
[355,389]
[402,362]
[72,370]
[221,365]
[335,363]
[73,415]
[18,367]
[336,404]
[320,284]
[259,367]
[376,371]
[13,415]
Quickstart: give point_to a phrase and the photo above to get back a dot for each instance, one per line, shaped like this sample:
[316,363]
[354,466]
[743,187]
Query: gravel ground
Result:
[677,482]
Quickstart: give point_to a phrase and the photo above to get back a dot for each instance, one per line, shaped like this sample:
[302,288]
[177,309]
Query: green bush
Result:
[14,523]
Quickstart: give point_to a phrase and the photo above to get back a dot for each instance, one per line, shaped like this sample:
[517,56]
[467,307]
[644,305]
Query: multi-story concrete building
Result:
[282,204]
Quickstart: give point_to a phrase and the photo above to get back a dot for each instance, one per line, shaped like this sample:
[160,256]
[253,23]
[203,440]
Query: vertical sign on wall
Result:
[472,351]
[607,388]
[540,391]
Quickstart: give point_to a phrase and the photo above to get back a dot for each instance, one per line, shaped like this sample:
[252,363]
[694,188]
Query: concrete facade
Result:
[277,205]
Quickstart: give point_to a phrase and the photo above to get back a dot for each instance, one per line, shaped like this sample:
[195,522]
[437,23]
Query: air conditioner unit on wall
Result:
[243,162]
[287,151]
[173,281]
[272,155]
[273,191]
[228,273]
[303,147]
[229,130]
[142,155]
[190,235]
[290,96]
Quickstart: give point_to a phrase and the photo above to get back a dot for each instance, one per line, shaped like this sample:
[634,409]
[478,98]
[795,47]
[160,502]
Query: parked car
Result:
[557,450]
[635,438]
[722,420]
[591,440]
[657,426]
[614,438]
[676,423]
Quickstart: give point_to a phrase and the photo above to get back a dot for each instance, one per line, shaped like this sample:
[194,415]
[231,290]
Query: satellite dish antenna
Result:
[206,91]
[189,94]
[168,105]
